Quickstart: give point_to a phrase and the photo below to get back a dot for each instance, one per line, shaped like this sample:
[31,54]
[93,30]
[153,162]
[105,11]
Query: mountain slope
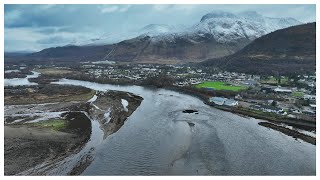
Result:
[285,51]
[73,52]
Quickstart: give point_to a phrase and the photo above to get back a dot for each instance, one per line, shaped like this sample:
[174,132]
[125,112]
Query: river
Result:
[157,140]
[22,81]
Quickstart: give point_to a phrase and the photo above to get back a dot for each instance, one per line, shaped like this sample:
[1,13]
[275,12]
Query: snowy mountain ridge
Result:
[222,26]
[227,27]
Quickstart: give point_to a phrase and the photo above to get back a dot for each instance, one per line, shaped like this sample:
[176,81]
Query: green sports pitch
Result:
[216,85]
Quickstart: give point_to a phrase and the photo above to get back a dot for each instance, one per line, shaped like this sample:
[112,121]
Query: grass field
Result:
[216,85]
[54,124]
[297,94]
[54,71]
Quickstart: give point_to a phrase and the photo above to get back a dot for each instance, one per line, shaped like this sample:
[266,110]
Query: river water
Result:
[157,140]
[22,81]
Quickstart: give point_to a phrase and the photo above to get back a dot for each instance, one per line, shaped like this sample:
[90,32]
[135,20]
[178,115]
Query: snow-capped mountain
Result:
[149,30]
[216,35]
[161,29]
[220,25]
[286,51]
[227,27]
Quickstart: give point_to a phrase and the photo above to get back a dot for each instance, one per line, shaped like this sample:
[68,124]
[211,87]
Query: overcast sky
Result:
[34,27]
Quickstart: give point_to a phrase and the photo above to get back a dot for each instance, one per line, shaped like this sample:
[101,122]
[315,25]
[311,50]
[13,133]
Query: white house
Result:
[313,106]
[223,101]
[282,90]
[231,102]
[217,100]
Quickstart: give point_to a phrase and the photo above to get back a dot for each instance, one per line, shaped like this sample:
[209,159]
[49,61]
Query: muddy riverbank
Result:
[43,124]
[27,145]
[112,108]
[40,135]
[289,132]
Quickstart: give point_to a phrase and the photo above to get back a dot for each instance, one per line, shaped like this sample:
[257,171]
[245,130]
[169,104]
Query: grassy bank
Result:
[54,124]
[80,97]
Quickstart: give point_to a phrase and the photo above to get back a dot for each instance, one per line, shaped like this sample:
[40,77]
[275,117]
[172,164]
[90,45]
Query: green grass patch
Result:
[216,85]
[54,124]
[297,94]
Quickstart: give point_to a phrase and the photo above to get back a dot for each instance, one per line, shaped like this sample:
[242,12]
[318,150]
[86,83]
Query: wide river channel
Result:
[157,140]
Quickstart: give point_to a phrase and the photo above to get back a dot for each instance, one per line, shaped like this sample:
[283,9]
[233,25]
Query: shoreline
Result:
[109,110]
[294,123]
[289,132]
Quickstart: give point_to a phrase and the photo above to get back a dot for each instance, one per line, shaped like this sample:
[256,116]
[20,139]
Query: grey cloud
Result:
[53,40]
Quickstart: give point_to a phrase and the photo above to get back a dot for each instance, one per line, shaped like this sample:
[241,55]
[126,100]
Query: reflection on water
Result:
[157,140]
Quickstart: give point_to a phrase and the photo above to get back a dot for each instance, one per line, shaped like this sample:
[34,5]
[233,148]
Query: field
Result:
[297,94]
[54,124]
[274,81]
[216,85]
[54,71]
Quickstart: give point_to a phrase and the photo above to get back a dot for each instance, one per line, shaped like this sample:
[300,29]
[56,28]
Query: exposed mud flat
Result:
[111,111]
[30,138]
[28,146]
